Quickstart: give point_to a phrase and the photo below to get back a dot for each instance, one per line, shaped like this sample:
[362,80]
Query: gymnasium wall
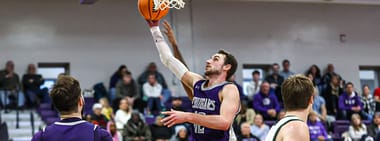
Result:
[97,39]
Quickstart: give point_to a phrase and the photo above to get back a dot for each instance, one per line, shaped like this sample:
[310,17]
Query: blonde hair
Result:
[105,101]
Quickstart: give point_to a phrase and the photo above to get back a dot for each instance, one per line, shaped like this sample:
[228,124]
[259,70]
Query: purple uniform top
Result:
[72,129]
[206,102]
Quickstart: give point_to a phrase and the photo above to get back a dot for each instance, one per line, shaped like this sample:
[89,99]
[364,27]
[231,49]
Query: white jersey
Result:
[272,134]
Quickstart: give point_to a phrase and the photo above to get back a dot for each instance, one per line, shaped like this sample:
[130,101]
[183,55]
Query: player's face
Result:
[214,65]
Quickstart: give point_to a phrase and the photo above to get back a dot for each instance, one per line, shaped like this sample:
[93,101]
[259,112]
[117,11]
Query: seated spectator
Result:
[161,132]
[107,109]
[246,134]
[136,129]
[349,102]
[10,87]
[115,78]
[266,103]
[357,129]
[275,80]
[97,117]
[369,103]
[253,87]
[331,94]
[177,104]
[316,73]
[319,106]
[245,115]
[111,128]
[259,128]
[286,69]
[181,134]
[31,84]
[152,90]
[152,69]
[122,115]
[376,95]
[126,88]
[374,129]
[316,128]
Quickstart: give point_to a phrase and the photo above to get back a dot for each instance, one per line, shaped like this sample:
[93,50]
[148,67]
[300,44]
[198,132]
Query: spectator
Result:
[376,95]
[331,95]
[126,88]
[259,128]
[266,103]
[152,69]
[319,106]
[357,129]
[349,102]
[316,73]
[107,109]
[10,87]
[246,134]
[369,103]
[241,92]
[286,69]
[152,90]
[177,104]
[374,129]
[181,134]
[245,115]
[316,128]
[161,132]
[275,80]
[254,86]
[122,115]
[31,84]
[116,77]
[329,74]
[136,129]
[97,117]
[311,78]
[111,128]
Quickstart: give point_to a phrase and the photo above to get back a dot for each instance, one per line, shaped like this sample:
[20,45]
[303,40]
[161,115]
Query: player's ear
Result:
[311,100]
[227,67]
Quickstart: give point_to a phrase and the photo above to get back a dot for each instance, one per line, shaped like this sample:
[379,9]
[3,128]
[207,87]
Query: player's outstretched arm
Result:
[229,107]
[167,58]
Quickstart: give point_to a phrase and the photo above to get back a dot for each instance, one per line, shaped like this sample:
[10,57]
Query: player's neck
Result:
[214,80]
[302,114]
[72,115]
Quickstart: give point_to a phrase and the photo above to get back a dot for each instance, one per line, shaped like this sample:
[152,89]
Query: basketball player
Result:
[215,101]
[68,100]
[297,92]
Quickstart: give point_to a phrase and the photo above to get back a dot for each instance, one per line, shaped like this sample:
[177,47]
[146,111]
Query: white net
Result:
[162,4]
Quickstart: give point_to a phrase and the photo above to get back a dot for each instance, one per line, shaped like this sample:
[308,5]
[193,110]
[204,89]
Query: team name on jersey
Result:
[203,103]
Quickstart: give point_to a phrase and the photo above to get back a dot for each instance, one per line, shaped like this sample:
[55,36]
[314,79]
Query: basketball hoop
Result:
[162,4]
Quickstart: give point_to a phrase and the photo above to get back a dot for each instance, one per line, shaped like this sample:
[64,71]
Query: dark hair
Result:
[365,85]
[348,83]
[65,95]
[318,73]
[120,69]
[296,92]
[255,72]
[229,59]
[126,73]
[275,64]
[285,61]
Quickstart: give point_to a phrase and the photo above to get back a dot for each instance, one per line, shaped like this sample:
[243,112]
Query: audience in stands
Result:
[319,106]
[369,103]
[31,82]
[240,88]
[266,103]
[177,104]
[97,117]
[123,114]
[286,69]
[275,80]
[127,88]
[254,86]
[357,130]
[181,134]
[331,94]
[152,90]
[107,109]
[316,128]
[374,129]
[349,102]
[136,129]
[330,72]
[161,132]
[152,69]
[115,78]
[245,115]
[111,128]
[10,87]
[316,73]
[376,95]
[259,128]
[246,134]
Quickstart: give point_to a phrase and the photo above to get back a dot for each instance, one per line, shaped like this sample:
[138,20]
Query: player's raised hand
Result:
[169,32]
[174,117]
[153,23]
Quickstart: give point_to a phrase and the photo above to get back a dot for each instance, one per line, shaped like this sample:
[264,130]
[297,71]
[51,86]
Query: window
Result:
[247,73]
[50,72]
[369,75]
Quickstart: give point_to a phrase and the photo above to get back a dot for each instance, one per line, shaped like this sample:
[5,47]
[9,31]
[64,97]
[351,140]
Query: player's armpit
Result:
[190,78]
[295,131]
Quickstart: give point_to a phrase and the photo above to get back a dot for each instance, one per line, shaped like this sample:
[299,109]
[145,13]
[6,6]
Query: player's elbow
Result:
[225,125]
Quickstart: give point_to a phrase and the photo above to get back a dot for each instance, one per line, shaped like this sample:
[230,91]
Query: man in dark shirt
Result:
[10,86]
[275,80]
[31,84]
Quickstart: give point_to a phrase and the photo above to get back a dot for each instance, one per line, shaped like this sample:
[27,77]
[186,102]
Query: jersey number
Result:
[197,128]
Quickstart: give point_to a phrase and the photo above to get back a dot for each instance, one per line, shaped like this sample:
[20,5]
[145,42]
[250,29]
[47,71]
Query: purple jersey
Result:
[72,129]
[206,102]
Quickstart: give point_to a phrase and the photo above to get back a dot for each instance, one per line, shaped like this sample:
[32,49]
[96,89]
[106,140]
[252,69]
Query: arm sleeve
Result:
[166,55]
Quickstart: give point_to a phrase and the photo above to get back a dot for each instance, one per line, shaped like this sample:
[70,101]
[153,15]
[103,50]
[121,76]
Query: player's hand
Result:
[174,117]
[152,23]
[169,32]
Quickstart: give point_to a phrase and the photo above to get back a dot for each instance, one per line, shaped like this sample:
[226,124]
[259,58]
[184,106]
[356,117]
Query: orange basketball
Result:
[146,8]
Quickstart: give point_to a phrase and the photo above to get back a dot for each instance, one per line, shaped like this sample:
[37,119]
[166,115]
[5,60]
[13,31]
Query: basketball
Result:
[146,9]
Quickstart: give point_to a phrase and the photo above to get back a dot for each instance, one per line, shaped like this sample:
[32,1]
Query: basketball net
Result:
[163,4]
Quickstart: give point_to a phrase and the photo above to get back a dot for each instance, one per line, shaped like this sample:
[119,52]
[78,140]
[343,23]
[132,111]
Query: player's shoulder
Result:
[295,128]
